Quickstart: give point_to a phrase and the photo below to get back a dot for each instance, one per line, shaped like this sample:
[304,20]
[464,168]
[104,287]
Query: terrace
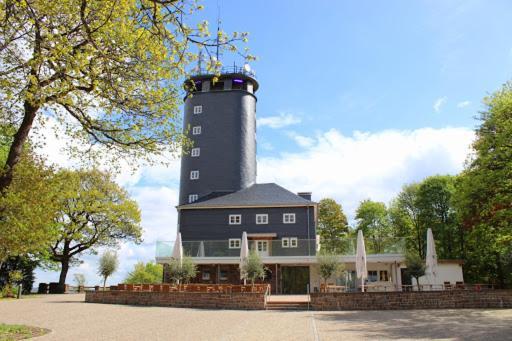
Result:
[271,251]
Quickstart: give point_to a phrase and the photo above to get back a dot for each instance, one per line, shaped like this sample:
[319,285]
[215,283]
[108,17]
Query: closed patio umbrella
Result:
[361,270]
[200,252]
[431,259]
[177,251]
[244,251]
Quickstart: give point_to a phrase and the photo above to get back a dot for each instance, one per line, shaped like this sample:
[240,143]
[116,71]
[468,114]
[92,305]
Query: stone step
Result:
[287,306]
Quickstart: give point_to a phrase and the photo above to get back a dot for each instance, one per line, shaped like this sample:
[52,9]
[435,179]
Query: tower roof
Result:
[257,195]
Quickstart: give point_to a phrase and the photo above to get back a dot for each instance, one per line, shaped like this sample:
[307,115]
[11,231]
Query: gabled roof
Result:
[257,195]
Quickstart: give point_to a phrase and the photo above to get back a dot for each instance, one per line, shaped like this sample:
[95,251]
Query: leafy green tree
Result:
[107,265]
[93,212]
[372,217]
[415,267]
[484,193]
[26,265]
[328,265]
[28,205]
[332,225]
[108,71]
[182,272]
[253,268]
[405,219]
[435,203]
[145,273]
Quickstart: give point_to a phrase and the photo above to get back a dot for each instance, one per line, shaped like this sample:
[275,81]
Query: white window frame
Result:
[287,218]
[205,278]
[285,243]
[196,130]
[235,243]
[198,109]
[192,198]
[194,174]
[235,219]
[195,152]
[263,221]
[294,242]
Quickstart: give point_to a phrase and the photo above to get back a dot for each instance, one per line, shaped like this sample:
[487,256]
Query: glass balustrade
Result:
[279,248]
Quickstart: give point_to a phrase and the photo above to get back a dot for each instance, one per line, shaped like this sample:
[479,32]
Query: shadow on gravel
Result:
[457,324]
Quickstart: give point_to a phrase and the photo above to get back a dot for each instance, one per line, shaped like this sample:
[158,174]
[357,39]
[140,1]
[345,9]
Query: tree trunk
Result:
[63,273]
[104,282]
[17,145]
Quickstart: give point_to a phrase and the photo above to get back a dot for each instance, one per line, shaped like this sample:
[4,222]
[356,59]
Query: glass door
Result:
[262,247]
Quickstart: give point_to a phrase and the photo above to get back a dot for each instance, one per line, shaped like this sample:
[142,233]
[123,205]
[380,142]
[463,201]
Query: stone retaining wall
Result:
[449,299]
[245,301]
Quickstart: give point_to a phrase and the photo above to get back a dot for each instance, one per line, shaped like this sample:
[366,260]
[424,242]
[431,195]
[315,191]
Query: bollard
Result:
[20,289]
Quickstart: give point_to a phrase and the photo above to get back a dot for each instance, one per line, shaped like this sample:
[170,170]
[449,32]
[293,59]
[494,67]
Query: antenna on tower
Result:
[218,29]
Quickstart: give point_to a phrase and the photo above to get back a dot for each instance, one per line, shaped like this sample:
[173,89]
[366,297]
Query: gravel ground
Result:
[70,318]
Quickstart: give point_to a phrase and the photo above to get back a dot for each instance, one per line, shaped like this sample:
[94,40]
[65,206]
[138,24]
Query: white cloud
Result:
[279,121]
[303,141]
[463,104]
[439,103]
[367,165]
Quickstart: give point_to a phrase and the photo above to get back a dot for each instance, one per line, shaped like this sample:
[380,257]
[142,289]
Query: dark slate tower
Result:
[220,119]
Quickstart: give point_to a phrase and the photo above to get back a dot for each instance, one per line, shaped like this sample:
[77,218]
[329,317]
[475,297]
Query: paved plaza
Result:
[70,318]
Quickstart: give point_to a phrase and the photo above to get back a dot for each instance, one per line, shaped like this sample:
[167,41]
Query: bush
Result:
[145,274]
[415,266]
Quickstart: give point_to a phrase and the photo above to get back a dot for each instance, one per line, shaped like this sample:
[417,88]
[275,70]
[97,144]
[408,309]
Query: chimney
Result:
[305,195]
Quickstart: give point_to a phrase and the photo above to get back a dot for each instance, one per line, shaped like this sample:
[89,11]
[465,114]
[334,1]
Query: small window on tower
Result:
[195,152]
[196,130]
[194,175]
[198,109]
[238,84]
[192,198]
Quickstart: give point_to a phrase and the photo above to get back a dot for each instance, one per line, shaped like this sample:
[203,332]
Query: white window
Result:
[235,243]
[235,219]
[285,242]
[289,218]
[206,275]
[194,175]
[293,242]
[192,198]
[198,109]
[261,219]
[195,152]
[196,130]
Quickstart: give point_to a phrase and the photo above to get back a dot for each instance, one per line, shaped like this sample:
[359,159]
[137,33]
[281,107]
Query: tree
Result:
[332,225]
[253,267]
[405,219]
[415,267]
[94,212]
[145,273]
[182,272]
[372,217]
[484,193]
[79,279]
[108,71]
[328,265]
[27,206]
[107,265]
[24,264]
[435,204]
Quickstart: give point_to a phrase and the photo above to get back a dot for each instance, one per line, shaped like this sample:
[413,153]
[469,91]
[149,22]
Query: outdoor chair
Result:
[447,286]
[459,285]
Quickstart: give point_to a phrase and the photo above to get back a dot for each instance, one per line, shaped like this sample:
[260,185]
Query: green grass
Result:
[10,332]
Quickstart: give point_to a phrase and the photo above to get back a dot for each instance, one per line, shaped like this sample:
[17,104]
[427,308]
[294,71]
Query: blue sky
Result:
[356,99]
